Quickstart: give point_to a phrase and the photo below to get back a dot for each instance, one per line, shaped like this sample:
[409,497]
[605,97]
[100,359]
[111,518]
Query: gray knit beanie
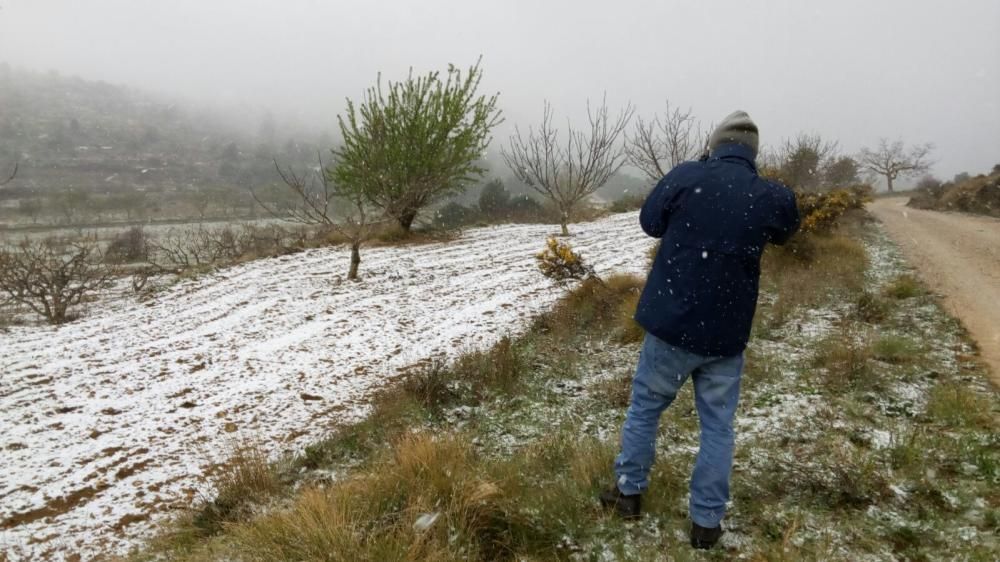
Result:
[736,127]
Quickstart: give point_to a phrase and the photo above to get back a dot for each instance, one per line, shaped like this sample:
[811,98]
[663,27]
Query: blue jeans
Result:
[662,370]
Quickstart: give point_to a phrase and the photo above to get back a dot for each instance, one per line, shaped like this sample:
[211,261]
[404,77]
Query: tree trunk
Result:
[564,222]
[888,180]
[406,220]
[352,274]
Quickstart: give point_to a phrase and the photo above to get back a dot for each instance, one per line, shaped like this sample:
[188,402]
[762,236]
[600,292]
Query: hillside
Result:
[117,419]
[68,132]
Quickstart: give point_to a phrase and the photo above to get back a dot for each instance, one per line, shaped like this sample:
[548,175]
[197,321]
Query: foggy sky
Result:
[851,70]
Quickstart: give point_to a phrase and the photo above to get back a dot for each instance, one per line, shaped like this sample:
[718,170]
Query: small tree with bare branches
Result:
[10,178]
[656,146]
[891,160]
[49,276]
[803,158]
[320,200]
[568,172]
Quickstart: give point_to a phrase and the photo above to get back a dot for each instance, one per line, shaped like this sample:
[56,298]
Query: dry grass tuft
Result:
[427,499]
[615,391]
[246,478]
[896,349]
[809,269]
[431,386]
[871,308]
[844,357]
[904,287]
[593,304]
[955,404]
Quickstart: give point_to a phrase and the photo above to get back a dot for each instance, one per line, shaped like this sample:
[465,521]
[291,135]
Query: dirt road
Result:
[958,255]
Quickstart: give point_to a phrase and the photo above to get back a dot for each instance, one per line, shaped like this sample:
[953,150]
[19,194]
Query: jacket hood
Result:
[735,150]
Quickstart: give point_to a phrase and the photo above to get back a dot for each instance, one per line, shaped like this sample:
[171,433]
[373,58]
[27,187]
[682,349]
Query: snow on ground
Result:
[119,416]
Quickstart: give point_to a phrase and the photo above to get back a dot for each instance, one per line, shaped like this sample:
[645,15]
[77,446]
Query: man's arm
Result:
[785,219]
[656,211]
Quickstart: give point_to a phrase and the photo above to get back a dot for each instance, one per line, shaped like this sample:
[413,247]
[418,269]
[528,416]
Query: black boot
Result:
[704,537]
[626,507]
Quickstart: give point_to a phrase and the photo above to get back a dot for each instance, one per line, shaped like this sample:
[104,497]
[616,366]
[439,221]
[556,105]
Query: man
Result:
[715,216]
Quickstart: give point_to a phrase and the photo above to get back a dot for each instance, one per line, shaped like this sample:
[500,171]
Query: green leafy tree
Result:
[841,172]
[417,141]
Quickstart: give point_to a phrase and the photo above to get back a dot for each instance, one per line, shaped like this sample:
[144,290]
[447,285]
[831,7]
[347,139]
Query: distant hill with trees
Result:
[91,146]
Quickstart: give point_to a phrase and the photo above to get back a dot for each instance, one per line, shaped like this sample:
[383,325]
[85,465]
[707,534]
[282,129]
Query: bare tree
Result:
[668,139]
[803,159]
[9,179]
[891,160]
[317,203]
[568,173]
[49,276]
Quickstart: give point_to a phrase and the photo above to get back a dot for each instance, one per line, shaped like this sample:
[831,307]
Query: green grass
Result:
[894,348]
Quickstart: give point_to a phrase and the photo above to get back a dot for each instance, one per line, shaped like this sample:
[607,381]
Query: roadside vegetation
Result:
[979,194]
[866,431]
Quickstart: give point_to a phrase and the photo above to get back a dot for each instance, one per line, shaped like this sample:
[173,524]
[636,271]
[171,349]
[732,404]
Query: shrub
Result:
[244,479]
[904,287]
[821,211]
[453,215]
[893,348]
[526,208]
[50,276]
[870,308]
[498,369]
[129,246]
[494,200]
[560,263]
[431,386]
[844,355]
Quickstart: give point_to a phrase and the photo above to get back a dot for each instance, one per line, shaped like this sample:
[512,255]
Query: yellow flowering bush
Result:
[559,262]
[820,211]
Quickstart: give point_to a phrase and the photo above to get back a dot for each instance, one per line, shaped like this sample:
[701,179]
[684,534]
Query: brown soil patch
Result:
[54,507]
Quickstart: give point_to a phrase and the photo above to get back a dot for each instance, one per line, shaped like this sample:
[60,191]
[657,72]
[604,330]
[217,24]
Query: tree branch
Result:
[13,174]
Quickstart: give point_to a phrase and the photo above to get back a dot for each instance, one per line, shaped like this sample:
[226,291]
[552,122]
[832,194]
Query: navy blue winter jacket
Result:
[714,216]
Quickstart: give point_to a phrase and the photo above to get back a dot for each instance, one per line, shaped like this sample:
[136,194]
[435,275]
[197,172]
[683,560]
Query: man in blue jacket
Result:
[714,216]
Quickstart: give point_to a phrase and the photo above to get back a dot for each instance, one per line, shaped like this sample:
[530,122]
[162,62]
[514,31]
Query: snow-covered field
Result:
[110,423]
